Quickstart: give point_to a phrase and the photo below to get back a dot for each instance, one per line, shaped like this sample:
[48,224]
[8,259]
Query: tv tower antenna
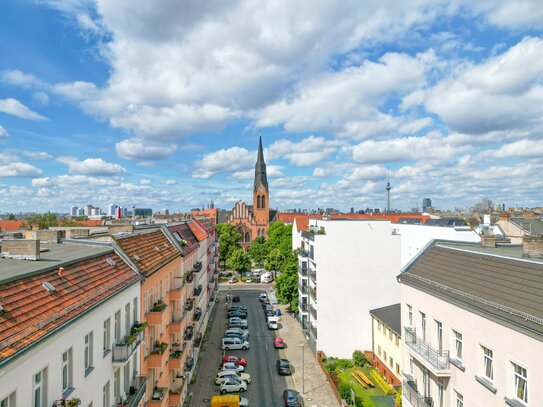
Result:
[388,188]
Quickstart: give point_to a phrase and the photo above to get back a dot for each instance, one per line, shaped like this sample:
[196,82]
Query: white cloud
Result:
[139,149]
[41,97]
[229,159]
[145,182]
[19,78]
[19,169]
[37,155]
[271,171]
[170,182]
[369,172]
[306,152]
[69,181]
[522,148]
[16,108]
[3,133]
[95,167]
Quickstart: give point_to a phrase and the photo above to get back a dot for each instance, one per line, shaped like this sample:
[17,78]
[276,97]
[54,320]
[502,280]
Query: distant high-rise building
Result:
[165,212]
[80,211]
[73,210]
[124,211]
[388,188]
[88,210]
[426,204]
[112,210]
[143,212]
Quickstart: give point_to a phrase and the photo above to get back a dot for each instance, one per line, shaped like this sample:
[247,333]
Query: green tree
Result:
[43,220]
[286,284]
[229,238]
[258,250]
[279,237]
[11,216]
[239,261]
[275,260]
[359,359]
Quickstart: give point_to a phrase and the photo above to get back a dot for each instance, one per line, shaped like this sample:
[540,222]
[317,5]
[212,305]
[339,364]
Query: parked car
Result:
[235,360]
[248,280]
[232,367]
[241,337]
[233,280]
[238,324]
[235,298]
[273,323]
[262,296]
[237,313]
[283,367]
[292,398]
[231,374]
[236,319]
[278,343]
[234,343]
[233,385]
[268,313]
[237,307]
[225,274]
[239,331]
[230,400]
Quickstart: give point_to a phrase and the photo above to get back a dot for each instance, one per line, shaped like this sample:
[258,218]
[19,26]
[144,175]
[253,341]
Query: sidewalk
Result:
[316,389]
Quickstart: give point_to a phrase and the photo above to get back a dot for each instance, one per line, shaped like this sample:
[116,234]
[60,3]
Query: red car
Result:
[278,343]
[235,360]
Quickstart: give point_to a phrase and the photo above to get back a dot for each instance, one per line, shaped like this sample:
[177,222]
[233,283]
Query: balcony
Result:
[313,293]
[176,391]
[73,402]
[437,362]
[303,254]
[189,333]
[189,304]
[197,267]
[303,289]
[189,277]
[313,312]
[197,291]
[175,358]
[303,271]
[156,314]
[197,314]
[198,340]
[136,391]
[303,307]
[175,293]
[159,397]
[177,320]
[313,330]
[189,363]
[124,350]
[157,359]
[414,398]
[313,276]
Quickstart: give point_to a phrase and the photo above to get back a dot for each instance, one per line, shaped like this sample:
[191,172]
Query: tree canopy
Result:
[258,250]
[43,220]
[239,261]
[229,238]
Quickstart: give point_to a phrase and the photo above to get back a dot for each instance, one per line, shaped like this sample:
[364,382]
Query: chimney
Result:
[488,240]
[21,249]
[504,216]
[61,272]
[532,247]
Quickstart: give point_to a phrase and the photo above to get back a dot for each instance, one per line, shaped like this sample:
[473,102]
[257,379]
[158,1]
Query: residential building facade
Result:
[386,342]
[472,320]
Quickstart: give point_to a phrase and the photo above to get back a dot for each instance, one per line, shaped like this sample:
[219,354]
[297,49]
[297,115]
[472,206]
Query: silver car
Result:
[233,385]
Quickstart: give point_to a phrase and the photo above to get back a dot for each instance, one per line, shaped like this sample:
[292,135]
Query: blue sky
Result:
[160,103]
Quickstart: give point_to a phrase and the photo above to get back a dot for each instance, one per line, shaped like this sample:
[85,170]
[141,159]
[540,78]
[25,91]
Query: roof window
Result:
[48,286]
[137,258]
[157,249]
[111,262]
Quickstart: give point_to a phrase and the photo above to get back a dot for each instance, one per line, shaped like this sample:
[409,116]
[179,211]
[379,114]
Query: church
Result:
[253,220]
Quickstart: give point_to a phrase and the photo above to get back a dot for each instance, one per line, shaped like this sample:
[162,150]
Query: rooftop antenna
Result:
[388,188]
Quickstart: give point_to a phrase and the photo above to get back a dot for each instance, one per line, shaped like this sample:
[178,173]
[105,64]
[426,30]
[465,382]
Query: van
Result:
[273,323]
[233,400]
[234,343]
[266,277]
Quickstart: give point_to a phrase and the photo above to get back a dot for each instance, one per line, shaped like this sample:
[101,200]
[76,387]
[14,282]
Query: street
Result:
[267,385]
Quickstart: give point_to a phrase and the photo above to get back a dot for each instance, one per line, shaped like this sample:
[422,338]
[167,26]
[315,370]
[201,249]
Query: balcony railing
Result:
[303,271]
[189,333]
[189,304]
[414,397]
[122,351]
[73,402]
[158,394]
[303,254]
[313,312]
[313,330]
[313,293]
[303,307]
[313,276]
[136,391]
[303,289]
[197,314]
[197,291]
[438,360]
[189,277]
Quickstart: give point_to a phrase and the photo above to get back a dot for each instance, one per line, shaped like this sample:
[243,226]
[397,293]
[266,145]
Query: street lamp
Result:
[301,345]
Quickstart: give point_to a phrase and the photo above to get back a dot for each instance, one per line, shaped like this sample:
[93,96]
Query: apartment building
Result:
[472,318]
[386,342]
[352,264]
[69,325]
[167,309]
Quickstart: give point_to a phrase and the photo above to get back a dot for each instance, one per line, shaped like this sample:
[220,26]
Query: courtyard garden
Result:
[357,377]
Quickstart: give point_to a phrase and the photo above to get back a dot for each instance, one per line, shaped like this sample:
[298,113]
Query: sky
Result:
[160,103]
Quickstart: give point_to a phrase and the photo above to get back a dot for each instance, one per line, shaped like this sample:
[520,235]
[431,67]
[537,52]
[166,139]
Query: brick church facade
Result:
[253,220]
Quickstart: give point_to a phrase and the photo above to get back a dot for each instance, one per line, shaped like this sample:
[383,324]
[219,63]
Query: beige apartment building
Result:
[472,319]
[386,342]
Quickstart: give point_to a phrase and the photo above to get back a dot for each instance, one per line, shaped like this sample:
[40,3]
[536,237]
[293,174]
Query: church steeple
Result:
[260,168]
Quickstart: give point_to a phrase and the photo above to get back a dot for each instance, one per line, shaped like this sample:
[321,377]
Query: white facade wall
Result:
[508,345]
[353,277]
[387,347]
[415,237]
[18,375]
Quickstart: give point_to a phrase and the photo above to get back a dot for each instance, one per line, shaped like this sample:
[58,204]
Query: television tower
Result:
[388,188]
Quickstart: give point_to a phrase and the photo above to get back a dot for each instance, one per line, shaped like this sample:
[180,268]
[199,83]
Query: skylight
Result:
[48,286]
[111,262]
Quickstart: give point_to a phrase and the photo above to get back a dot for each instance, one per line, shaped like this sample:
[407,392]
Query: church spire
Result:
[260,167]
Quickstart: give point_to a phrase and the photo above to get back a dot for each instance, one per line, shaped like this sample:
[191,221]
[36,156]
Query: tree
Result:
[229,238]
[286,284]
[11,216]
[239,261]
[359,359]
[279,237]
[43,220]
[258,250]
[275,260]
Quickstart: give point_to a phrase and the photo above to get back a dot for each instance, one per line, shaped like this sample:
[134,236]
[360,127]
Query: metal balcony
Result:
[313,312]
[410,393]
[303,289]
[124,350]
[303,271]
[436,361]
[136,391]
[313,330]
[303,307]
[313,293]
[313,276]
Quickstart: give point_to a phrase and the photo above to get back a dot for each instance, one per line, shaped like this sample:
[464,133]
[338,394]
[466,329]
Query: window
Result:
[423,325]
[145,308]
[439,336]
[117,384]
[410,314]
[88,352]
[135,309]
[411,363]
[488,369]
[390,333]
[391,362]
[105,395]
[521,383]
[385,356]
[39,389]
[397,368]
[379,326]
[9,401]
[440,392]
[397,340]
[127,377]
[127,319]
[457,345]
[67,370]
[459,399]
[107,335]
[379,350]
[117,332]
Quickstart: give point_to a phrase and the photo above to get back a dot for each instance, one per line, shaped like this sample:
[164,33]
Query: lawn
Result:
[370,397]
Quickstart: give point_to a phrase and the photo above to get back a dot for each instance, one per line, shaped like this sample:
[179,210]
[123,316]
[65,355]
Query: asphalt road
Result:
[267,385]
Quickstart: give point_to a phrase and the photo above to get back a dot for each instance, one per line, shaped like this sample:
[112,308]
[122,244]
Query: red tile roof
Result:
[186,234]
[302,221]
[11,225]
[31,312]
[198,229]
[153,249]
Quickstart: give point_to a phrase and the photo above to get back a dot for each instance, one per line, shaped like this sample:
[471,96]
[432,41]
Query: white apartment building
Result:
[348,267]
[386,342]
[472,318]
[68,328]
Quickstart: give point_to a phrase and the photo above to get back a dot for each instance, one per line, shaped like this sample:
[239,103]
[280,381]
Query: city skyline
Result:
[147,104]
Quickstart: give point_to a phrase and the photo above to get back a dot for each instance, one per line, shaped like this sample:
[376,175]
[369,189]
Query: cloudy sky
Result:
[160,103]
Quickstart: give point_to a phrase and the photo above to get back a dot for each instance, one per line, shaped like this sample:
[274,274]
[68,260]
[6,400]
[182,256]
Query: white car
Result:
[237,319]
[232,367]
[233,385]
[239,331]
[227,374]
[262,297]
